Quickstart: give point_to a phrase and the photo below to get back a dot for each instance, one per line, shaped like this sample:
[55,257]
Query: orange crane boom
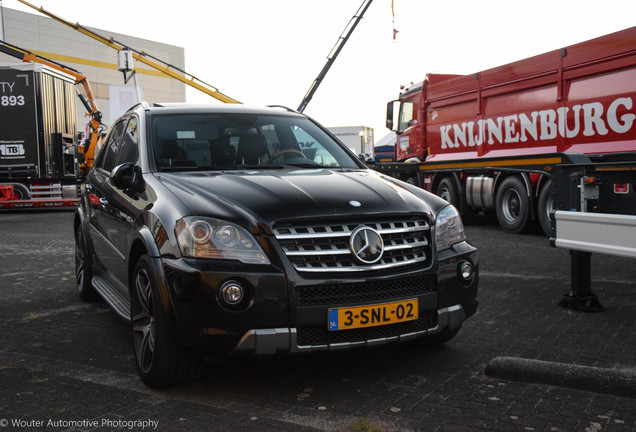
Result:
[95,125]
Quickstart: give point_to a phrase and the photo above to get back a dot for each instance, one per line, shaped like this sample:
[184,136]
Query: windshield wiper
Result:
[308,165]
[216,168]
[178,168]
[219,167]
[258,166]
[238,167]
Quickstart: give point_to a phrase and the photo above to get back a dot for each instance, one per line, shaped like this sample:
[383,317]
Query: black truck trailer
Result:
[38,125]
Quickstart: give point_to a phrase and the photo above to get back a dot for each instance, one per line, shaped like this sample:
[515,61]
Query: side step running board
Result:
[112,296]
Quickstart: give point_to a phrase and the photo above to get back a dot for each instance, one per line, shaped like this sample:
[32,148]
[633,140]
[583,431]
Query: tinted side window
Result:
[129,151]
[109,152]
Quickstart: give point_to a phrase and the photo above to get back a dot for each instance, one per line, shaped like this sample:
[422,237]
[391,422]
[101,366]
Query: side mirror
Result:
[389,115]
[127,177]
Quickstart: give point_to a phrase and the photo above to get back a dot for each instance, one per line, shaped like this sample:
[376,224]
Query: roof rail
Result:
[143,104]
[283,107]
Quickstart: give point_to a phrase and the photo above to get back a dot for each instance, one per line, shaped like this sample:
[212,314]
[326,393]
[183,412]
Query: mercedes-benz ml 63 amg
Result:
[227,229]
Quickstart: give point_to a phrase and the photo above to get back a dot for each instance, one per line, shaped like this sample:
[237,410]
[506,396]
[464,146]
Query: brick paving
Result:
[68,365]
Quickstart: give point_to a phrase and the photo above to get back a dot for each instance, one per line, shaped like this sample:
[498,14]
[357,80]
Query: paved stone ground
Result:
[67,365]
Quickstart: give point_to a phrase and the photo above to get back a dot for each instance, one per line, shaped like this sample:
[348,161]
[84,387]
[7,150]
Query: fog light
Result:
[179,284]
[466,271]
[232,292]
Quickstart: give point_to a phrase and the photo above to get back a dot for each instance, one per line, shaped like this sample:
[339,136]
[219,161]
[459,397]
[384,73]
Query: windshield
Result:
[227,141]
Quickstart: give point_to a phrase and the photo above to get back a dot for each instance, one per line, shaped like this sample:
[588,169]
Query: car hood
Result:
[268,196]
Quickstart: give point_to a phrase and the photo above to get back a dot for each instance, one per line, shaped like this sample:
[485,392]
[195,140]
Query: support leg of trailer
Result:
[580,297]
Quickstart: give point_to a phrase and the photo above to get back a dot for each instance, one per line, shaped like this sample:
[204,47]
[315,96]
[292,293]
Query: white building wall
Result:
[98,62]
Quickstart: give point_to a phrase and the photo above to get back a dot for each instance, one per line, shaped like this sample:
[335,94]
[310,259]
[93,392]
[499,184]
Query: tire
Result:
[159,359]
[20,192]
[447,191]
[513,205]
[545,206]
[413,180]
[83,271]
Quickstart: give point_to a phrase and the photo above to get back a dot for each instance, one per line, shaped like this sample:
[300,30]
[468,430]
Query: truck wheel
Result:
[513,205]
[83,272]
[446,190]
[545,206]
[160,361]
[20,192]
[413,181]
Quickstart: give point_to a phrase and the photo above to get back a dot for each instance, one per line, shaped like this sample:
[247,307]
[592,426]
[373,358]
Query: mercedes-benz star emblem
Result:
[366,245]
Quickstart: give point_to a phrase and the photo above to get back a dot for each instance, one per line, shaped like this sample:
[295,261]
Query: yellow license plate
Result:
[372,315]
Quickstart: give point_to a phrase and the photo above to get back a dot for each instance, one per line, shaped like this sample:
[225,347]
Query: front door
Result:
[114,210]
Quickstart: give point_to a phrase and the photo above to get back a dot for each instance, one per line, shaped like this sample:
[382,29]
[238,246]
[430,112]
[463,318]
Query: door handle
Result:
[103,201]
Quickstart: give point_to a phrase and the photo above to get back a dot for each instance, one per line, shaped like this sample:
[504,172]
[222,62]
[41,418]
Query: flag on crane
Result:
[395,32]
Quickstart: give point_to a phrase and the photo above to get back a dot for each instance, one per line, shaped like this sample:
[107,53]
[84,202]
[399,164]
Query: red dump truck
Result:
[493,140]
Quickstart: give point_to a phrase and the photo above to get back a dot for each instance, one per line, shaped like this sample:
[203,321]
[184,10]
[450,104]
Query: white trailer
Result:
[359,139]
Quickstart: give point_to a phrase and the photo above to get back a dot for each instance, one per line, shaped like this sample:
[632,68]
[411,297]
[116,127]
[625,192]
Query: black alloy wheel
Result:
[143,321]
[83,272]
[160,361]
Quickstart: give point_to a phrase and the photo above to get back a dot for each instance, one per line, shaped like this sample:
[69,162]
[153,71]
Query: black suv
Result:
[227,229]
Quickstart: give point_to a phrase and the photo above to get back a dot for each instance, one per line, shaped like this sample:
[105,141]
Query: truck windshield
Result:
[235,141]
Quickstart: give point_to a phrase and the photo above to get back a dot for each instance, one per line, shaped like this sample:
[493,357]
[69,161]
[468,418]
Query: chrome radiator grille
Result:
[326,247]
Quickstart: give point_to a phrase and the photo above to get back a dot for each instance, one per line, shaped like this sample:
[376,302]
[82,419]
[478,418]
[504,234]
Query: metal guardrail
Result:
[585,233]
[610,234]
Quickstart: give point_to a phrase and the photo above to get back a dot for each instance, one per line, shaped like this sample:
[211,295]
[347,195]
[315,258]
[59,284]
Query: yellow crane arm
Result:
[140,56]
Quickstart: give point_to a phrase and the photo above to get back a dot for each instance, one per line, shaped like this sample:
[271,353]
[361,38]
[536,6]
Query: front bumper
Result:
[288,314]
[285,340]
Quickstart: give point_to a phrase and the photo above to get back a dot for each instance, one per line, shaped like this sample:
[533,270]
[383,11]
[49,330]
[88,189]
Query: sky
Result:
[263,52]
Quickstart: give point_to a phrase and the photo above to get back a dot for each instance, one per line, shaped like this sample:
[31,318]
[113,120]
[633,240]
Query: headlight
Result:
[449,228]
[200,237]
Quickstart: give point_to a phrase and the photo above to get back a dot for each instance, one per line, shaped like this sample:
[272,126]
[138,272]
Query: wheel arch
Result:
[144,244]
[78,218]
[80,221]
[544,181]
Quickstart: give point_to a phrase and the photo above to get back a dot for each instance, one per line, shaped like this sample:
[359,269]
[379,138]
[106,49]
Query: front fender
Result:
[145,243]
[79,219]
